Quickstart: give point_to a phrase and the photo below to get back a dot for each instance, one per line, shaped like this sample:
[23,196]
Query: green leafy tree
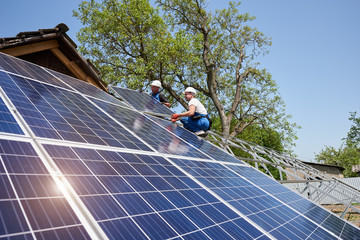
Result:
[124,39]
[353,135]
[348,154]
[345,156]
[266,138]
[131,44]
[257,135]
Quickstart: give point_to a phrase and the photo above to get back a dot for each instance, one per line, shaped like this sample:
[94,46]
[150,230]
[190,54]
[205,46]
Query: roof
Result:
[324,165]
[60,44]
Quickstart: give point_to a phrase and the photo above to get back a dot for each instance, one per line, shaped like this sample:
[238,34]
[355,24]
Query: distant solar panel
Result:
[142,101]
[76,165]
[88,89]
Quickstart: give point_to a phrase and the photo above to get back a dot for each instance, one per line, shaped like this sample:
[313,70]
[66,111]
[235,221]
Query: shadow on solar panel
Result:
[142,101]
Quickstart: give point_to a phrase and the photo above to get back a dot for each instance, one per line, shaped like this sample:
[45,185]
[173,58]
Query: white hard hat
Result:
[156,83]
[190,89]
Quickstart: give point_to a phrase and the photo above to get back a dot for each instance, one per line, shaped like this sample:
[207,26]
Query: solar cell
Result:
[141,101]
[8,123]
[135,176]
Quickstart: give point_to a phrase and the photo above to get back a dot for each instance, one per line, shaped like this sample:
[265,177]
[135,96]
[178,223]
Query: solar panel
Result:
[56,113]
[270,205]
[88,89]
[76,165]
[17,66]
[198,142]
[155,135]
[31,206]
[130,191]
[142,101]
[8,123]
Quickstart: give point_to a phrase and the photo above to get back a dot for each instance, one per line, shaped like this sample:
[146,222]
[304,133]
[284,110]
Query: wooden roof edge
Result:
[325,165]
[36,36]
[58,33]
[16,42]
[91,70]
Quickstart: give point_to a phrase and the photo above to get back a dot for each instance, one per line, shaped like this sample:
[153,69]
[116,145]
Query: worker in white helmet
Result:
[196,119]
[155,93]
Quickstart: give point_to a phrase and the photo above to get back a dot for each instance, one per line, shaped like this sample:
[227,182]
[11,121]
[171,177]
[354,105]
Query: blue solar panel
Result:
[127,190]
[155,135]
[142,101]
[17,66]
[197,142]
[87,89]
[8,123]
[30,203]
[267,203]
[59,114]
[35,72]
[137,177]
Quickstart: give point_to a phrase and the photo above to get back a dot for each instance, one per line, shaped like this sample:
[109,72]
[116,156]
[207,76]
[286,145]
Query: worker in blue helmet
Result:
[196,119]
[155,93]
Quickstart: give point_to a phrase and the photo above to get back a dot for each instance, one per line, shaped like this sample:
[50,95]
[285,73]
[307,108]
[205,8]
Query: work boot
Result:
[200,133]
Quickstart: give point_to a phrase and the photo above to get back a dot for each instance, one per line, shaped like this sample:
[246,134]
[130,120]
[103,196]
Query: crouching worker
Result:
[196,118]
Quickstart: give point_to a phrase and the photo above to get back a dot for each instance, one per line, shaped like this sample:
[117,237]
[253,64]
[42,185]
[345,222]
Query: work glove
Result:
[174,117]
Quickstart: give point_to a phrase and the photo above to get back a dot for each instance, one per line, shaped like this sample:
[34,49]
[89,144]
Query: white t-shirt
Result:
[199,108]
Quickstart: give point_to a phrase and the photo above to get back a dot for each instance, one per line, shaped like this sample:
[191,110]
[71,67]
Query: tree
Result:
[345,156]
[123,38]
[266,138]
[348,154]
[215,53]
[353,135]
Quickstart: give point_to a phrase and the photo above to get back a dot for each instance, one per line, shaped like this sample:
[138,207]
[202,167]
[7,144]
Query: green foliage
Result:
[345,156]
[259,136]
[124,39]
[348,154]
[353,135]
[184,44]
[269,139]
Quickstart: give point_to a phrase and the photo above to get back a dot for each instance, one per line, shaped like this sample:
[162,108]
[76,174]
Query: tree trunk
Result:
[225,123]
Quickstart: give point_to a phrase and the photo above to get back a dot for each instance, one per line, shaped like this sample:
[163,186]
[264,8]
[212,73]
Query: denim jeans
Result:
[195,125]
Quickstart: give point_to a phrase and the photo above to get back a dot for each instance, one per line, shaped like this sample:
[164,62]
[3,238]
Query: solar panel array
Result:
[77,165]
[141,101]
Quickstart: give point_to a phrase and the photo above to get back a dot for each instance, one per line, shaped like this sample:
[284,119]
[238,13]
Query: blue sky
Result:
[314,57]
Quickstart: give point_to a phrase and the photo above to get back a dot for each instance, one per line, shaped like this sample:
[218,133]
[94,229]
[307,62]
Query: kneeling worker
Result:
[155,93]
[196,118]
